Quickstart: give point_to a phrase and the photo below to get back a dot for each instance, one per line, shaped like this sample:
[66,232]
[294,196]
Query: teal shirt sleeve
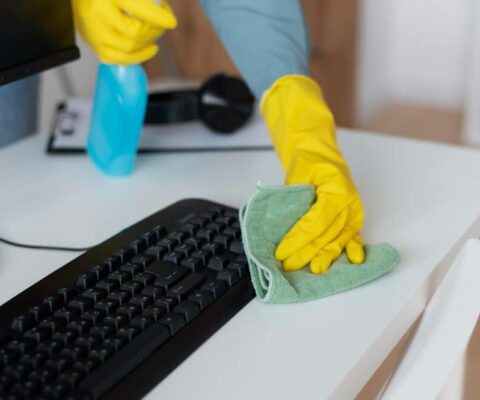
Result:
[266,39]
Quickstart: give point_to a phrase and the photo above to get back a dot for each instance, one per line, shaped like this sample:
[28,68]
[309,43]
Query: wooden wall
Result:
[332,24]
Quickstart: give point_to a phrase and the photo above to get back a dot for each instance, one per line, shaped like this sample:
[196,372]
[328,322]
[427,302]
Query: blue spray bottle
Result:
[117,118]
[118,113]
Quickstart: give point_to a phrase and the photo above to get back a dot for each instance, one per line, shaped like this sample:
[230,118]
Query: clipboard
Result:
[71,126]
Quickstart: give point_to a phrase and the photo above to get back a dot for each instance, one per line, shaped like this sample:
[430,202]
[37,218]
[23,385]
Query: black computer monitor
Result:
[34,35]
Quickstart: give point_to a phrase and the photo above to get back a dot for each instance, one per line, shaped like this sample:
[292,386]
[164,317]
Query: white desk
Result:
[418,196]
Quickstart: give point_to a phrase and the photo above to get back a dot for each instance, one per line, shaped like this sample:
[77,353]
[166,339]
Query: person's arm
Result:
[267,39]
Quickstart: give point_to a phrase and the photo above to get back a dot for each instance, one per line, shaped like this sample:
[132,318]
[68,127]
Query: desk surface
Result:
[418,196]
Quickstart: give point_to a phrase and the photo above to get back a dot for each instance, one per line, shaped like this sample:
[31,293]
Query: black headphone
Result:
[224,103]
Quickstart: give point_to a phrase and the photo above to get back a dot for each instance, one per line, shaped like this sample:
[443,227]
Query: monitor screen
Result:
[34,35]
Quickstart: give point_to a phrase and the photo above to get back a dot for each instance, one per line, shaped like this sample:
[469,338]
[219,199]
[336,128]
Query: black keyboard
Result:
[118,319]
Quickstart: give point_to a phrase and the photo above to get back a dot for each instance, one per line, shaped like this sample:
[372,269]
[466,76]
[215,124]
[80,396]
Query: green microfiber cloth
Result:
[265,220]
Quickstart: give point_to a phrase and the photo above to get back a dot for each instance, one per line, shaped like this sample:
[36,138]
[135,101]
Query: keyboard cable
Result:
[42,247]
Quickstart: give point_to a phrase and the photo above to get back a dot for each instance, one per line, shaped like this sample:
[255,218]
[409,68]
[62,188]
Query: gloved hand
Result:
[122,32]
[303,133]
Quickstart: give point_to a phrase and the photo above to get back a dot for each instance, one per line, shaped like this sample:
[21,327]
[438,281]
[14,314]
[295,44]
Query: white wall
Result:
[413,51]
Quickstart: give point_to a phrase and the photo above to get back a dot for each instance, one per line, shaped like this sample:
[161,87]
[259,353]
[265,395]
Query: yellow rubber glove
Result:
[122,32]
[303,133]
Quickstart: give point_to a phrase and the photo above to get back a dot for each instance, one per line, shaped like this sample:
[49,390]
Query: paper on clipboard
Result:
[70,133]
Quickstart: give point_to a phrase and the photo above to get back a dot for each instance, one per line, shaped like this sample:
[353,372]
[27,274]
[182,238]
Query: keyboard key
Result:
[102,331]
[132,287]
[174,322]
[88,342]
[129,357]
[203,255]
[154,292]
[207,234]
[179,236]
[141,322]
[21,345]
[231,213]
[195,242]
[73,353]
[39,312]
[217,263]
[8,357]
[154,313]
[159,231]
[35,360]
[37,334]
[112,263]
[100,271]
[202,297]
[156,252]
[194,264]
[214,248]
[53,302]
[86,366]
[128,333]
[100,354]
[216,287]
[188,309]
[124,255]
[119,277]
[223,240]
[65,338]
[166,274]
[80,304]
[18,371]
[231,232]
[230,276]
[141,301]
[120,296]
[107,306]
[217,209]
[107,285]
[237,247]
[149,238]
[168,244]
[67,314]
[42,377]
[138,246]
[129,310]
[240,267]
[58,365]
[190,228]
[80,326]
[144,278]
[116,321]
[25,390]
[174,257]
[71,378]
[182,289]
[209,215]
[142,261]
[55,390]
[93,316]
[166,303]
[225,220]
[94,294]
[67,293]
[53,324]
[131,269]
[114,343]
[198,221]
[86,280]
[216,227]
[184,249]
[50,347]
